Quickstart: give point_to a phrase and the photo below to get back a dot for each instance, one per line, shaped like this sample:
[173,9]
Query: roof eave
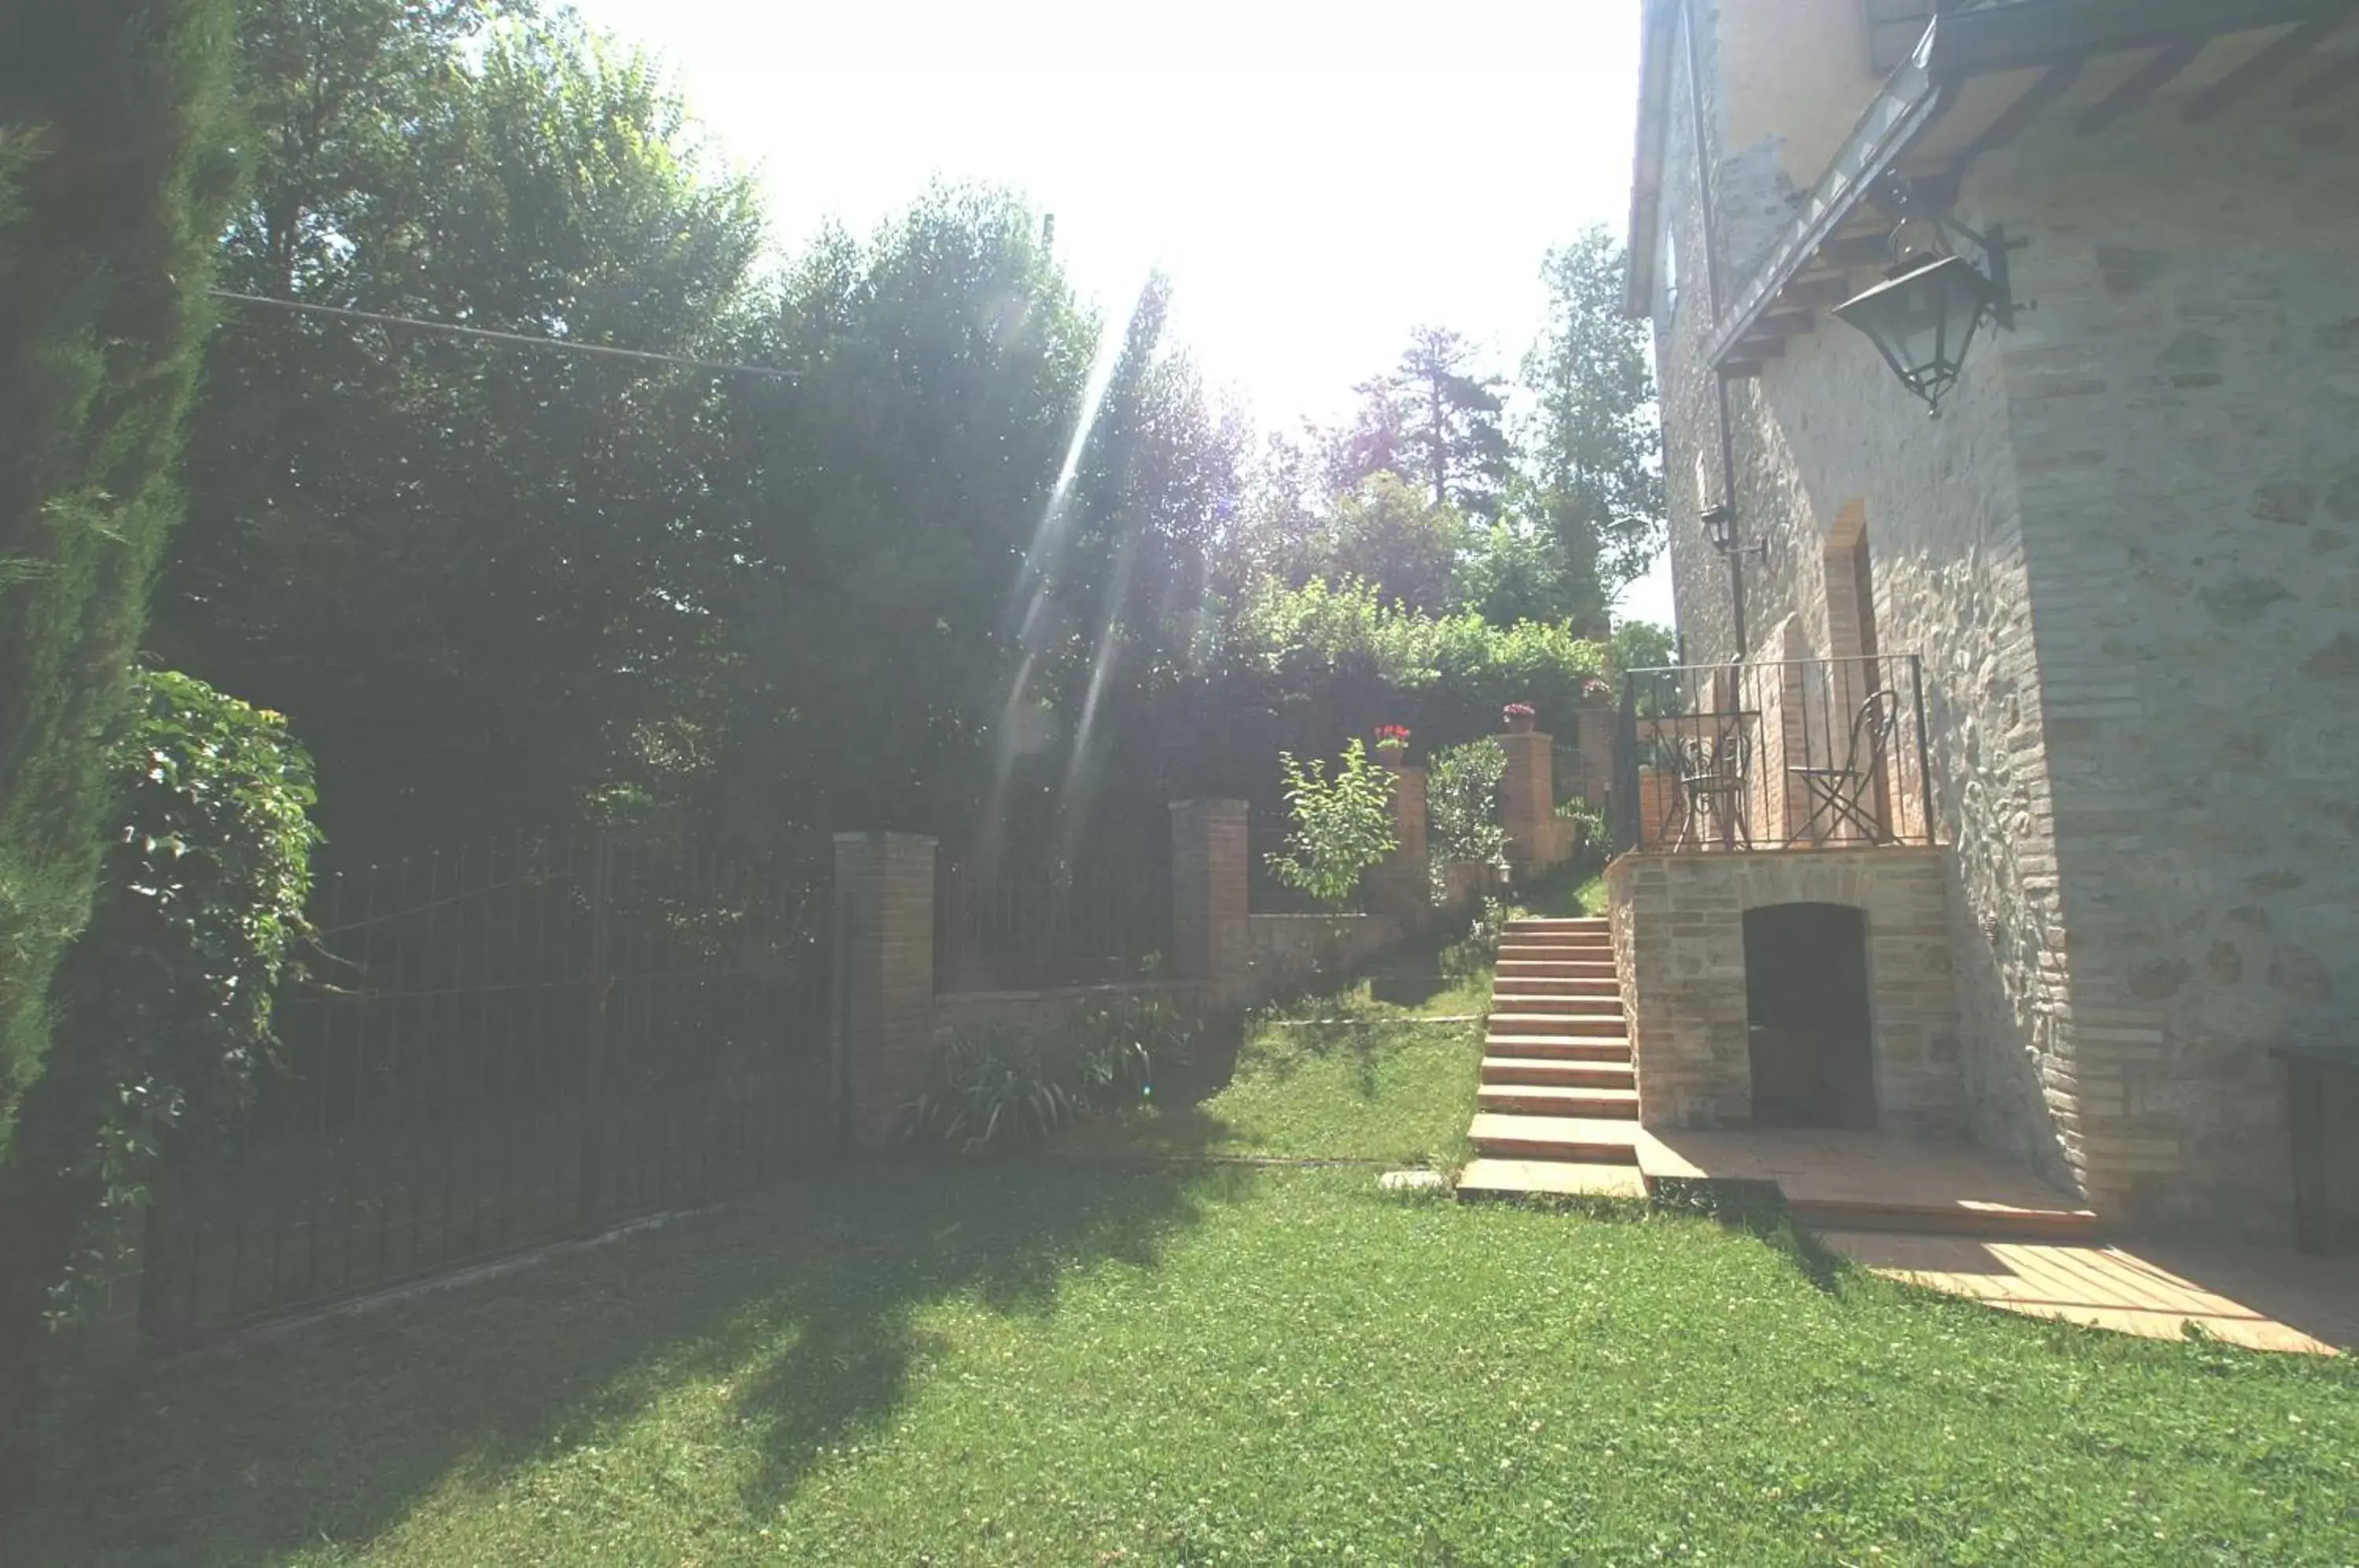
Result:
[1657,27]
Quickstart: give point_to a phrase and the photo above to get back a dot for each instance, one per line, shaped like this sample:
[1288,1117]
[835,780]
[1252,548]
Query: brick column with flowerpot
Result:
[1401,884]
[1535,838]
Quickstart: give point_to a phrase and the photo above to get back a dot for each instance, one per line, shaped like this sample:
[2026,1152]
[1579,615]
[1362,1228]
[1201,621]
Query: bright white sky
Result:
[1317,177]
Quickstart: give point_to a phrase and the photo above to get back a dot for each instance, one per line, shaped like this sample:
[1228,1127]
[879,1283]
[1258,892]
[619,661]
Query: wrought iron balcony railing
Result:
[1808,753]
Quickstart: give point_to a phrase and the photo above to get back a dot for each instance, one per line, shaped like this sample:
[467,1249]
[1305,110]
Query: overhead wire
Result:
[526,340]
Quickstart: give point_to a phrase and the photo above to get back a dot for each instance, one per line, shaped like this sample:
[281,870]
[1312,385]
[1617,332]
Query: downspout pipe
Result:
[1712,283]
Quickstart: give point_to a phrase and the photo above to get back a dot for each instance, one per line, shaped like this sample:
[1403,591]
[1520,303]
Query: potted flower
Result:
[1518,717]
[1392,744]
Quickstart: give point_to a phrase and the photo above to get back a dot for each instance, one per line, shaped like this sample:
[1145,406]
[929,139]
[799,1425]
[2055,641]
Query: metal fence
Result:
[500,1047]
[1028,927]
[1801,754]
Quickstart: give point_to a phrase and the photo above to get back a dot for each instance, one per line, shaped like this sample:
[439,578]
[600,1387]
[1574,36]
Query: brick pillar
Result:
[1528,801]
[1209,908]
[885,958]
[1401,885]
[1594,726]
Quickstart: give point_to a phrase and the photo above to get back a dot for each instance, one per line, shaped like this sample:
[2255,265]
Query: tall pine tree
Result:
[113,179]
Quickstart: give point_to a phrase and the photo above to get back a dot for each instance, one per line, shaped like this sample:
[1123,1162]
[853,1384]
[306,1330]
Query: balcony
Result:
[1805,753]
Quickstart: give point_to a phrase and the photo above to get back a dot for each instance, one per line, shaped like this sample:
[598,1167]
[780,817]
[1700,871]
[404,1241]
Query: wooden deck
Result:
[1957,1219]
[1856,1181]
[2261,1300]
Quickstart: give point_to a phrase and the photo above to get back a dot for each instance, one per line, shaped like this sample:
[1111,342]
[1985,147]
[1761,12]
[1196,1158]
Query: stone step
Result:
[1595,1005]
[1611,1023]
[1547,1178]
[1548,1070]
[1558,1100]
[1549,942]
[1554,986]
[1587,1140]
[1559,1048]
[1515,967]
[1561,923]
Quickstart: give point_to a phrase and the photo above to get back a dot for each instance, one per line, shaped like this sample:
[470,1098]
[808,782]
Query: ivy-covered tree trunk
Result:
[114,180]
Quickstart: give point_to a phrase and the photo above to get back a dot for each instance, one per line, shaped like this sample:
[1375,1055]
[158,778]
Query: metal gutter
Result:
[1655,75]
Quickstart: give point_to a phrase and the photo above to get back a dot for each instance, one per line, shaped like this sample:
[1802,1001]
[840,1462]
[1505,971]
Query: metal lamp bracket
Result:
[1927,199]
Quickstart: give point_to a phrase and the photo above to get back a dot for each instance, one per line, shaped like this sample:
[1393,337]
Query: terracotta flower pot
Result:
[1519,723]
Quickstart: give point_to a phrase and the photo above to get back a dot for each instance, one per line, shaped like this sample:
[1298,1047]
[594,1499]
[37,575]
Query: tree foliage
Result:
[1594,443]
[164,1004]
[455,563]
[114,172]
[1462,793]
[1341,826]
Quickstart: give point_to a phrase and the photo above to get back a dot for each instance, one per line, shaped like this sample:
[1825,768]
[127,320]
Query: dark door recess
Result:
[1806,1009]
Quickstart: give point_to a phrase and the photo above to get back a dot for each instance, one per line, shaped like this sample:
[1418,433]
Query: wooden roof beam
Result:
[2142,84]
[2289,47]
[2053,84]
[2326,83]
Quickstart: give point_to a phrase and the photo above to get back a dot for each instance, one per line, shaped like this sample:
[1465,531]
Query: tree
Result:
[1452,441]
[1389,536]
[1342,826]
[1372,439]
[1592,443]
[456,561]
[114,175]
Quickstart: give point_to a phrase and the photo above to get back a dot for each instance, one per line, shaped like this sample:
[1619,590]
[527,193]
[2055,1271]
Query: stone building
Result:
[2125,553]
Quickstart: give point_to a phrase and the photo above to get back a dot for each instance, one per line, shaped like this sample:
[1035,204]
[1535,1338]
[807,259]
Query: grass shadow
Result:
[1758,1210]
[803,1308]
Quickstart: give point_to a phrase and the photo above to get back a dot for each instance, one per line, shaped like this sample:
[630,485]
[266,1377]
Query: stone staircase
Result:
[1557,1110]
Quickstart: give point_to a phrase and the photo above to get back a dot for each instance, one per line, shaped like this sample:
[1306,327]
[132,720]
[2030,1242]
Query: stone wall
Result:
[2186,413]
[2125,551]
[1679,931]
[1289,952]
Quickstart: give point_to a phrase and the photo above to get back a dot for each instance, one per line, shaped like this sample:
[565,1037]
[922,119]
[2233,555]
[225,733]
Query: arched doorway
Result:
[1808,1032]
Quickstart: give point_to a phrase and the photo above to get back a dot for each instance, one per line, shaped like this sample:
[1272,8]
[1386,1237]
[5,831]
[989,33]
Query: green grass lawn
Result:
[1037,1364]
[1070,1361]
[1332,1078]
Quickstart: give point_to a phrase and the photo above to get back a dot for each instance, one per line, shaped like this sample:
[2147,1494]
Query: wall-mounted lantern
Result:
[1924,316]
[1719,532]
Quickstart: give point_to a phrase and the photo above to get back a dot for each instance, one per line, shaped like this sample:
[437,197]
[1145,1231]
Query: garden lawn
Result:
[1037,1364]
[1330,1078]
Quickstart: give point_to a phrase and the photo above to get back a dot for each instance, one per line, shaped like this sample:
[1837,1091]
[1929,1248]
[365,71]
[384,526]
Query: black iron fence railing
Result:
[498,1049]
[1032,927]
[1824,752]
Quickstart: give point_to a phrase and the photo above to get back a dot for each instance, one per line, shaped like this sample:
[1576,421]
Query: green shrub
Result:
[1001,1087]
[163,1005]
[1461,802]
[1463,669]
[1342,825]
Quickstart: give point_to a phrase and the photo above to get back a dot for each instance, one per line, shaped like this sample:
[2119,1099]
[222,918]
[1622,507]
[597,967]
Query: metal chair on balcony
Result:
[1715,771]
[1848,796]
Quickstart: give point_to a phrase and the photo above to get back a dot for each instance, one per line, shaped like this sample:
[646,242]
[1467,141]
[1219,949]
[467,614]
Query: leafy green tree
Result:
[1386,535]
[1372,439]
[901,557]
[114,175]
[1452,439]
[164,1004]
[1342,826]
[1462,794]
[1643,644]
[1517,570]
[454,562]
[1592,445]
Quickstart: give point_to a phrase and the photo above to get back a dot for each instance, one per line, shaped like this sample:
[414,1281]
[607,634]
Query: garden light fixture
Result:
[1923,316]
